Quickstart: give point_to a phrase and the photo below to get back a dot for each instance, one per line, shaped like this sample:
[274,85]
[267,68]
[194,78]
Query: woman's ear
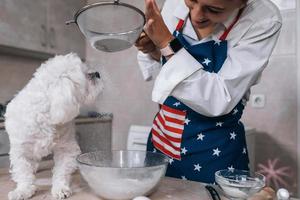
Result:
[63,103]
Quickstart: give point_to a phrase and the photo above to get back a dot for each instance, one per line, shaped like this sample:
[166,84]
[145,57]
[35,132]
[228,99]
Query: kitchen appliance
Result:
[110,26]
[122,174]
[239,184]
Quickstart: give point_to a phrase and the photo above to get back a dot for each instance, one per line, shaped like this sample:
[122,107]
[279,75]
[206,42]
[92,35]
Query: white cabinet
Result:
[62,38]
[94,133]
[4,147]
[23,24]
[4,142]
[37,28]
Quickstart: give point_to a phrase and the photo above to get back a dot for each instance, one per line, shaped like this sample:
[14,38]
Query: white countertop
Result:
[169,188]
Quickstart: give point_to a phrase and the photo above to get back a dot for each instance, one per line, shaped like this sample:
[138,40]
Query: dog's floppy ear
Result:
[64,105]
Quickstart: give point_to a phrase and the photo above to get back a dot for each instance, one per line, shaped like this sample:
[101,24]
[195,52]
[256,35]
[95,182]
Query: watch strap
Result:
[175,45]
[167,51]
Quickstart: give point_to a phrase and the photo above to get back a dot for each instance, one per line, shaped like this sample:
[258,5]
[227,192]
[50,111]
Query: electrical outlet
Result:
[258,100]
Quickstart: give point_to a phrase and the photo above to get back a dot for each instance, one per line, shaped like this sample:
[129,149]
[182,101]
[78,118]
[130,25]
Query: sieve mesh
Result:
[110,26]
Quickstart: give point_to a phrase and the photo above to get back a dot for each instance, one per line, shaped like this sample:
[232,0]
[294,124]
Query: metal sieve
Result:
[110,26]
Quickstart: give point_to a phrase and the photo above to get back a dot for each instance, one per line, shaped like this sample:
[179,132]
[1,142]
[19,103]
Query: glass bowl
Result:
[239,184]
[122,174]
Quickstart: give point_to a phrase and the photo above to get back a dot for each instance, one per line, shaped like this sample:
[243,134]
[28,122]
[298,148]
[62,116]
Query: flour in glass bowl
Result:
[120,184]
[242,190]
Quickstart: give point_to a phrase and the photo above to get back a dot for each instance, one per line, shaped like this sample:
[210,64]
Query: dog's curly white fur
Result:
[39,121]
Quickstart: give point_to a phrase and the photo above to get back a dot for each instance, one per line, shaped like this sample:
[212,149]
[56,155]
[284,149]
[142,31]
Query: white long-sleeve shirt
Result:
[250,44]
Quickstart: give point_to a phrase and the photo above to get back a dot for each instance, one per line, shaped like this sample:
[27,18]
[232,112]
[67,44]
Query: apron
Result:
[198,145]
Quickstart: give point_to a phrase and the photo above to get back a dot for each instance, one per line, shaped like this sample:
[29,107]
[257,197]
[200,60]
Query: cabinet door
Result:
[23,24]
[4,142]
[64,38]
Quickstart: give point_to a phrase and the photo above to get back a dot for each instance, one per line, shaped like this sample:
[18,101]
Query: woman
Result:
[212,52]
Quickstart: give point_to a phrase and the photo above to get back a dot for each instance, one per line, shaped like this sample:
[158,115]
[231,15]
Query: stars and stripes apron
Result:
[198,145]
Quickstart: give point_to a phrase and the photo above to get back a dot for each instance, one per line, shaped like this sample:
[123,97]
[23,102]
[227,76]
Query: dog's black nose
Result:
[97,74]
[94,75]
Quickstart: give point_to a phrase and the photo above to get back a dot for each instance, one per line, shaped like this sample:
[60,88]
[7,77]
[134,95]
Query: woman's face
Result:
[205,13]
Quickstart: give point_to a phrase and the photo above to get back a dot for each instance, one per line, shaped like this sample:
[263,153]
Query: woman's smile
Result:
[202,23]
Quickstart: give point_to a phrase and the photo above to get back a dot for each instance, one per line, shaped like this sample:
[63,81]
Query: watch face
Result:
[176,45]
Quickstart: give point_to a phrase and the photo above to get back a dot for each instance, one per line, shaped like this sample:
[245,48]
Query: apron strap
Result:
[226,32]
[180,25]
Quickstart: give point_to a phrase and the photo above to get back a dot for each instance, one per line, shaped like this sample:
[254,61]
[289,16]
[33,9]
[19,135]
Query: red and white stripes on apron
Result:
[167,131]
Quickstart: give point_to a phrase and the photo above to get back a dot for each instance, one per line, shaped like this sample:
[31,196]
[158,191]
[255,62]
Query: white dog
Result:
[39,121]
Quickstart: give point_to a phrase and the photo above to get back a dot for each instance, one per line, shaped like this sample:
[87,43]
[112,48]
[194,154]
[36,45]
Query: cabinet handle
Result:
[140,143]
[43,36]
[52,38]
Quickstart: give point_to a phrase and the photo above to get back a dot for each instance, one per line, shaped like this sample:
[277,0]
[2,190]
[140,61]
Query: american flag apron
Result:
[197,145]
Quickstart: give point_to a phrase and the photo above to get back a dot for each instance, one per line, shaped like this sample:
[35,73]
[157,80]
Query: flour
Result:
[234,192]
[124,188]
[119,184]
[241,190]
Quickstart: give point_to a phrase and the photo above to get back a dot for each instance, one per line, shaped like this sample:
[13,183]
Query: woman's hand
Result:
[155,27]
[145,45]
[266,193]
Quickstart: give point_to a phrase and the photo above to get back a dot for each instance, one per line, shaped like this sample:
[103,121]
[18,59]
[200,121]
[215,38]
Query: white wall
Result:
[298,91]
[276,122]
[15,72]
[126,94]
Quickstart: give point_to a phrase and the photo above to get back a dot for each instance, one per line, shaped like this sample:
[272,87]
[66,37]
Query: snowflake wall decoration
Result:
[275,175]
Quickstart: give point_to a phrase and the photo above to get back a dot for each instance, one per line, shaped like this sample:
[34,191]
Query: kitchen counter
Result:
[169,189]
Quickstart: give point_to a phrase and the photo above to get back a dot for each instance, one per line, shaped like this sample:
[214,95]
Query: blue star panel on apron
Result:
[198,145]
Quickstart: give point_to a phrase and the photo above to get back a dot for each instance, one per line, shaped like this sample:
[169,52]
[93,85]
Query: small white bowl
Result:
[239,184]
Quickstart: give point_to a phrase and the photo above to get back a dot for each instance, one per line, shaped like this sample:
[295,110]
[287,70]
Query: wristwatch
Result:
[173,47]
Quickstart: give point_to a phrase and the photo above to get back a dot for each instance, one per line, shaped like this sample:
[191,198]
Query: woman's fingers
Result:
[148,10]
[143,40]
[146,47]
[155,26]
[145,44]
[143,36]
[270,191]
[152,9]
[266,193]
[156,8]
[149,27]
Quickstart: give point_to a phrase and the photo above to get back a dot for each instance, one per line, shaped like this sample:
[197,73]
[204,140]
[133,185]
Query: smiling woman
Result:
[212,52]
[205,14]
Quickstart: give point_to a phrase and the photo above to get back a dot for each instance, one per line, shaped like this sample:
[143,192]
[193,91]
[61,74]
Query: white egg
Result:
[141,198]
[283,194]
